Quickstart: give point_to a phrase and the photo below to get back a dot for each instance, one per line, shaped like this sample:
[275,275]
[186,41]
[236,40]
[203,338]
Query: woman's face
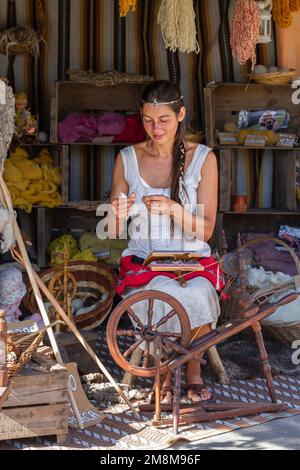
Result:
[161,122]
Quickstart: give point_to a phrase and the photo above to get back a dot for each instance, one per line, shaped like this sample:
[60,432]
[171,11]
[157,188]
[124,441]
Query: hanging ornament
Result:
[265,26]
[125,5]
[178,27]
[245,31]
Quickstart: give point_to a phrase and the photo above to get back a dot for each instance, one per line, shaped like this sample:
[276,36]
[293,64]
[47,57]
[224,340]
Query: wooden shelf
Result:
[256,211]
[232,147]
[94,144]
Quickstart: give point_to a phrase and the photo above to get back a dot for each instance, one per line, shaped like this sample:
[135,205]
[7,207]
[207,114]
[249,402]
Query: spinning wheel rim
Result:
[71,283]
[122,308]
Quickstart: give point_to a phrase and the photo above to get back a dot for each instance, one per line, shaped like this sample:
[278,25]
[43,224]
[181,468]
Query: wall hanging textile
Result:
[245,31]
[125,5]
[177,21]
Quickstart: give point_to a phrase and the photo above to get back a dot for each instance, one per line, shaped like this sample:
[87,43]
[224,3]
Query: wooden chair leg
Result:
[264,360]
[217,365]
[128,378]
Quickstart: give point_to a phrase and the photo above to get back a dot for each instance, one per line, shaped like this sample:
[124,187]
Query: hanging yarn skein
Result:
[125,5]
[178,27]
[245,31]
[282,12]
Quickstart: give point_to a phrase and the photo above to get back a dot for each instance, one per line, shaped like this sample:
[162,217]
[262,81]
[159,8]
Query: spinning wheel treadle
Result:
[147,333]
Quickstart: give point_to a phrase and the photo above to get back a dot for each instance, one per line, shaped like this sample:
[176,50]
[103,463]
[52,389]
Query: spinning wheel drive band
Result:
[145,334]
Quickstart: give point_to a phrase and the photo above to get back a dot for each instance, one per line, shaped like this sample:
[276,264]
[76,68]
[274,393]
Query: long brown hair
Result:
[164,91]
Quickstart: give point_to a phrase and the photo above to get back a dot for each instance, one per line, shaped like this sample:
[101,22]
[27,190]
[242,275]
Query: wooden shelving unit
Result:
[223,102]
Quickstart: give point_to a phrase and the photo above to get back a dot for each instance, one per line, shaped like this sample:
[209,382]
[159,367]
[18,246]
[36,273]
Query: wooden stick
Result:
[80,338]
[6,199]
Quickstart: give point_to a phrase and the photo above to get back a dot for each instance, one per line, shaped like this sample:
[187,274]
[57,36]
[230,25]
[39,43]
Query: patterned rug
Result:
[120,430]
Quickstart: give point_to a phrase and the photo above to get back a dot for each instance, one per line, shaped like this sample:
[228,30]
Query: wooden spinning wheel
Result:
[147,332]
[63,284]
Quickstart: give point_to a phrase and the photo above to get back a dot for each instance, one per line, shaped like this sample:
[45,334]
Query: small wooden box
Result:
[227,138]
[37,406]
[286,140]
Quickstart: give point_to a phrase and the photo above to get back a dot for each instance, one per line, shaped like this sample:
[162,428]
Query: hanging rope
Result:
[245,31]
[125,5]
[178,27]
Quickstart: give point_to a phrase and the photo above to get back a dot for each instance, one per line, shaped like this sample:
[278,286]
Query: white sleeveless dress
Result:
[199,297]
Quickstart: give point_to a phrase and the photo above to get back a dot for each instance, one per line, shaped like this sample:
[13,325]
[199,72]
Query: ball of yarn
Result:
[42,137]
[273,69]
[230,127]
[260,69]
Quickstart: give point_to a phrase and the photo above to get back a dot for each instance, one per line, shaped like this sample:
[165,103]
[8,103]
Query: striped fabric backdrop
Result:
[89,34]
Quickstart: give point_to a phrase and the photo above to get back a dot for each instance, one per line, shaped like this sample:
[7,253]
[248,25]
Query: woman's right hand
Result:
[121,206]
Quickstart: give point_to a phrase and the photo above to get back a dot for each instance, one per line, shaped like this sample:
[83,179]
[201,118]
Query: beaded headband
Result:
[159,103]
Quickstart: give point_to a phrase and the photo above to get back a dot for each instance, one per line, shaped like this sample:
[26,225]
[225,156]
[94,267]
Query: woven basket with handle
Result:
[230,308]
[24,345]
[273,78]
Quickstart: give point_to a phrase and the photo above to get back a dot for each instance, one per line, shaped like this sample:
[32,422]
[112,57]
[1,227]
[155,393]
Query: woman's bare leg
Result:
[193,370]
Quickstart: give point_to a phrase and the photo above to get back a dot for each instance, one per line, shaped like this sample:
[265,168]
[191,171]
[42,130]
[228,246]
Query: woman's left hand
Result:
[162,205]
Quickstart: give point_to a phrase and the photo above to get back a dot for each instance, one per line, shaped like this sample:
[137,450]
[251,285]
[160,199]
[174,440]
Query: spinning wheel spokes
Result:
[128,333]
[150,311]
[133,348]
[134,317]
[165,319]
[145,333]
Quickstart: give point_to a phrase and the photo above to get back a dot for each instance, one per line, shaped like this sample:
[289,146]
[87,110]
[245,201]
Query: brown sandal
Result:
[163,394]
[197,388]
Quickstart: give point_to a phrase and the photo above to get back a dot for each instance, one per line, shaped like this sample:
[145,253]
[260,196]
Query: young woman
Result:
[172,179]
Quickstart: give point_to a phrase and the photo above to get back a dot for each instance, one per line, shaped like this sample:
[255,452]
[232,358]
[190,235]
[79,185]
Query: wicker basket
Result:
[273,78]
[285,333]
[230,308]
[27,346]
[92,279]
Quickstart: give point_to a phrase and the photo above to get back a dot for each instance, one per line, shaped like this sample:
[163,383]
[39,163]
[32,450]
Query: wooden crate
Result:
[37,406]
[71,96]
[224,100]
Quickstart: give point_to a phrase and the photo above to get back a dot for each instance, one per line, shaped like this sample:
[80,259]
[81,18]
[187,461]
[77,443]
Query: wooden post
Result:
[3,339]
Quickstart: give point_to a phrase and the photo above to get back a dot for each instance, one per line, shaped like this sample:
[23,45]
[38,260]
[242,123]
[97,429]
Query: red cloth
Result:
[136,275]
[134,131]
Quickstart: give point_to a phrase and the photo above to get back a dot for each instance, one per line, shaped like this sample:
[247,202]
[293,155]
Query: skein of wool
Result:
[125,5]
[245,31]
[282,13]
[294,5]
[178,27]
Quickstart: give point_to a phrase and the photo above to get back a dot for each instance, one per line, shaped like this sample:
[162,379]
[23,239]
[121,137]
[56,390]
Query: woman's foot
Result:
[197,393]
[195,388]
[166,391]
